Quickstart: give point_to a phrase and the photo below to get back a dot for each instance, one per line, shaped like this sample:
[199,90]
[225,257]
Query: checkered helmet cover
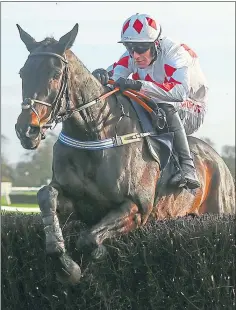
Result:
[140,28]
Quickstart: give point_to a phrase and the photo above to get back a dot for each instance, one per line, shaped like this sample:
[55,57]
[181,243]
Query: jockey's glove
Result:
[124,84]
[101,75]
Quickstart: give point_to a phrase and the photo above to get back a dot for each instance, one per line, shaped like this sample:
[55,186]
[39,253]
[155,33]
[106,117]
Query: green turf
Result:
[24,205]
[25,193]
[3,201]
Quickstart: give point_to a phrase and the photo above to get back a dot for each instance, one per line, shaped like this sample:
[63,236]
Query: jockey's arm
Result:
[121,68]
[175,88]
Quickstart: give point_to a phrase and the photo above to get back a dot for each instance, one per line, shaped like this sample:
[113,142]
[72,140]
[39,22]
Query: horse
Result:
[113,188]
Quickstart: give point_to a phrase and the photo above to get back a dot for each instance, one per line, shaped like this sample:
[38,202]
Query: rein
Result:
[117,140]
[133,94]
[28,103]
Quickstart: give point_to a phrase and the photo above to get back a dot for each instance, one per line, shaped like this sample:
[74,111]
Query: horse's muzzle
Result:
[29,136]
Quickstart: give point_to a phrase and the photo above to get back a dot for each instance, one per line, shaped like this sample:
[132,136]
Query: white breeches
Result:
[191,113]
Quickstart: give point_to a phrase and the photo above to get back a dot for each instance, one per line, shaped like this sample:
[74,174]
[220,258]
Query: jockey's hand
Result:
[101,75]
[124,84]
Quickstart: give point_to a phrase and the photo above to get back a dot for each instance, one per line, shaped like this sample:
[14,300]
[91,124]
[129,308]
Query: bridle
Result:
[29,103]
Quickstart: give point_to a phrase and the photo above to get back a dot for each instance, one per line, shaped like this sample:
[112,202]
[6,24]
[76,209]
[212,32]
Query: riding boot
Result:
[182,148]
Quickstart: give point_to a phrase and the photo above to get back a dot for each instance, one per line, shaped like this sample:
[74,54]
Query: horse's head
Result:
[44,84]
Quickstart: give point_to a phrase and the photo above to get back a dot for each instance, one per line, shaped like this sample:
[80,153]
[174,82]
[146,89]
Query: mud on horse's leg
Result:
[115,223]
[67,270]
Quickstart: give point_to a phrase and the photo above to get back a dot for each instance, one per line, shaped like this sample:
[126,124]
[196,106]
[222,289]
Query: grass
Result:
[3,201]
[22,205]
[29,193]
[26,211]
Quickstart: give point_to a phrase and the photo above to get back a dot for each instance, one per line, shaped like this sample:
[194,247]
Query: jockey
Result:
[169,73]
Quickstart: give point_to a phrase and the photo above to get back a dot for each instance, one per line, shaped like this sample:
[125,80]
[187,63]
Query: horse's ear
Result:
[30,42]
[68,39]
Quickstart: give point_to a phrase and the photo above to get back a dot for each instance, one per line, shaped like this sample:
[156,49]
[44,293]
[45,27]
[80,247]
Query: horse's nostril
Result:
[32,132]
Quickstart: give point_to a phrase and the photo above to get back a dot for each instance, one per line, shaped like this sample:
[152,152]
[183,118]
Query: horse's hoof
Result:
[67,271]
[100,252]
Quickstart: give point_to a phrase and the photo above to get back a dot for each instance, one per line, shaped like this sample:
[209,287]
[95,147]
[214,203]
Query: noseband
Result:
[29,103]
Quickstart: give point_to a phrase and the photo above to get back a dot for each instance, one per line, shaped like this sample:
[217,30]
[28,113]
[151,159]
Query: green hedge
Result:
[177,264]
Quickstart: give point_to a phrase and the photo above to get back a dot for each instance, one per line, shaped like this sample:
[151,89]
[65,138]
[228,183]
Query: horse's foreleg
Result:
[115,223]
[47,200]
[67,270]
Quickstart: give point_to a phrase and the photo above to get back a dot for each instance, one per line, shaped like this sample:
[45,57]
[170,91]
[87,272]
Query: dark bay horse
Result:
[116,185]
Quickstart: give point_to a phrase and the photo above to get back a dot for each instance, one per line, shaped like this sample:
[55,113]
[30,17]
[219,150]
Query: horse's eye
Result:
[56,75]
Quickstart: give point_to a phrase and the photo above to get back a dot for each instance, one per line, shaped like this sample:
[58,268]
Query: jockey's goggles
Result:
[138,47]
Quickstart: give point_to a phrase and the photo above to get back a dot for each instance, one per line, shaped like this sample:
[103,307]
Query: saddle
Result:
[160,141]
[161,149]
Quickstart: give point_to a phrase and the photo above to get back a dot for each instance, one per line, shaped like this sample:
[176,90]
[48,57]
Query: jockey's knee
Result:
[192,119]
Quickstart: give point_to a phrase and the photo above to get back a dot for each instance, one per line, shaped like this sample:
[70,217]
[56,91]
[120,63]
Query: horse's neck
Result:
[98,121]
[84,88]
